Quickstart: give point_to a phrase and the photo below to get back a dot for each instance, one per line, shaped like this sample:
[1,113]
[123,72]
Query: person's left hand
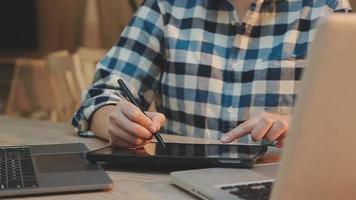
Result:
[269,126]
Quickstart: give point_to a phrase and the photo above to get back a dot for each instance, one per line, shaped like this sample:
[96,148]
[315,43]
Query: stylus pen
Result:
[134,102]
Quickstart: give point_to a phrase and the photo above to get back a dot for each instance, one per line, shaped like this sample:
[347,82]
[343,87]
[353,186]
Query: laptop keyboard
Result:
[253,191]
[16,168]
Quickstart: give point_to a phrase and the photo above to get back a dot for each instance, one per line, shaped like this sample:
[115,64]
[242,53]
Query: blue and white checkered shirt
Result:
[203,69]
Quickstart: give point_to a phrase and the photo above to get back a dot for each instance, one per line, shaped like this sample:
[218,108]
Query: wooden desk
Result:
[127,184]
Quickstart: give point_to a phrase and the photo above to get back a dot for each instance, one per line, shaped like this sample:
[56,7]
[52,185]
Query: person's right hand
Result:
[129,127]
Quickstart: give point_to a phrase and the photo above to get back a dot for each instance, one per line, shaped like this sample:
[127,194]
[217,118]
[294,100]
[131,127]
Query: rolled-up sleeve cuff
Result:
[81,118]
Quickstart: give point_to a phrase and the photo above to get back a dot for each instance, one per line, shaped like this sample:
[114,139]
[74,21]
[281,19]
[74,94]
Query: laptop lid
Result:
[319,159]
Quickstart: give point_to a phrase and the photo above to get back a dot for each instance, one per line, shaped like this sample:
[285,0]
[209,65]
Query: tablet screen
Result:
[189,150]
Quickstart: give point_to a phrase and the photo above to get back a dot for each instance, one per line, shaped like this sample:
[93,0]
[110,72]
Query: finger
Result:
[116,132]
[279,144]
[281,137]
[117,142]
[144,143]
[262,127]
[280,140]
[278,128]
[240,131]
[135,114]
[157,118]
[129,126]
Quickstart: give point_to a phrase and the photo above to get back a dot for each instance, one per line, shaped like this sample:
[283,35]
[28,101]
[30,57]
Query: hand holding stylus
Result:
[129,127]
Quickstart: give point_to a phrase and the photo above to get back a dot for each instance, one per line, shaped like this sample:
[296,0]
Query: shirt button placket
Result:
[234,66]
[230,110]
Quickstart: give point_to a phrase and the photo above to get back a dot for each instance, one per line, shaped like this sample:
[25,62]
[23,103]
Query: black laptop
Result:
[42,169]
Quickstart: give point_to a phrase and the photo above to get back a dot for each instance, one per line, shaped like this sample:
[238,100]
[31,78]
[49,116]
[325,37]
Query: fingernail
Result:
[224,138]
[152,128]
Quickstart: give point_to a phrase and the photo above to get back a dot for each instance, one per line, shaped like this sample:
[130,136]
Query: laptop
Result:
[318,159]
[42,169]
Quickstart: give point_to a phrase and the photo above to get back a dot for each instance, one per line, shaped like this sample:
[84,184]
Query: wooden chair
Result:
[46,89]
[66,82]
[29,96]
[89,57]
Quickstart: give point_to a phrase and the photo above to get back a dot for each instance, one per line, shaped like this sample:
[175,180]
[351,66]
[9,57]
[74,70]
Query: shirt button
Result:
[234,66]
[230,110]
[248,28]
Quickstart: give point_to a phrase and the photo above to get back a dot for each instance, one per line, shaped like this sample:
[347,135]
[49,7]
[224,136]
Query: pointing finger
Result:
[240,131]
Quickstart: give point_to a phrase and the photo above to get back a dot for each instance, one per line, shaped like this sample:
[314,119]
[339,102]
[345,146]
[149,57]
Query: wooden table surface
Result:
[127,184]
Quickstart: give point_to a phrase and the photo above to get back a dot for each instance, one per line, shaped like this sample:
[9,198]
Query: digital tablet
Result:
[179,156]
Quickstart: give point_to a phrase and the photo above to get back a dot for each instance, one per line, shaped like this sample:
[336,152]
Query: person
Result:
[219,69]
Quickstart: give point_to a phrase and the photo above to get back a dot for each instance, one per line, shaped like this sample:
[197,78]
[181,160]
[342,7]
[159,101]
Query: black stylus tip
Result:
[160,140]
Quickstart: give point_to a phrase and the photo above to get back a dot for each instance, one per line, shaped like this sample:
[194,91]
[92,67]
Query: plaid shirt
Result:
[203,69]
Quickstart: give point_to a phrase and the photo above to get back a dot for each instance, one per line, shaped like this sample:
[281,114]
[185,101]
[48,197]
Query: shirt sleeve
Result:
[342,6]
[137,58]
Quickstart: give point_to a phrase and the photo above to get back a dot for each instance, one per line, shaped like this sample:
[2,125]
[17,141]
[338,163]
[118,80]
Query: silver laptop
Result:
[319,158]
[42,169]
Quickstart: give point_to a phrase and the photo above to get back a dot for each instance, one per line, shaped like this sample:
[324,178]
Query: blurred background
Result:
[49,49]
